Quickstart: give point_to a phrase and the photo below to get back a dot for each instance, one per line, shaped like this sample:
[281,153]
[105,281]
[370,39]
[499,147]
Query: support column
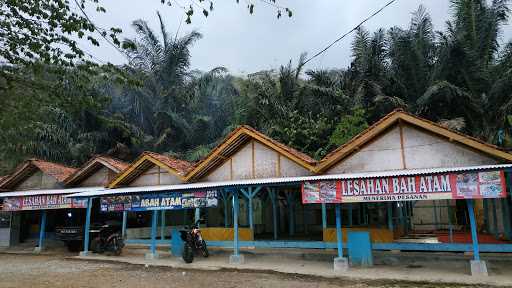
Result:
[340,263]
[197,215]
[153,254]
[324,216]
[507,222]
[123,228]
[486,215]
[478,267]
[495,218]
[42,233]
[390,215]
[162,225]
[450,226]
[236,258]
[87,228]
[273,197]
[225,201]
[290,197]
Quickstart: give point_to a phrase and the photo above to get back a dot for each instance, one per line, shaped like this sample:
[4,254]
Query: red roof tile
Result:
[182,167]
[93,165]
[58,171]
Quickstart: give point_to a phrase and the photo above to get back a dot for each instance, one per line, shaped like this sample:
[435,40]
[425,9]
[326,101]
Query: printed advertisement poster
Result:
[42,202]
[474,185]
[160,201]
[320,192]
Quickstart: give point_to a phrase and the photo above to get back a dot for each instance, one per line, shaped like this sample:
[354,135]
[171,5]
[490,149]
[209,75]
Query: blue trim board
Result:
[447,247]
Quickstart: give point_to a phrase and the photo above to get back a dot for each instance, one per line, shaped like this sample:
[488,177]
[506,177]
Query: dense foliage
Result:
[460,77]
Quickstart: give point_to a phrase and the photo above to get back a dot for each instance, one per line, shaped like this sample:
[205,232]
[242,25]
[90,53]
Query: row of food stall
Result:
[402,177]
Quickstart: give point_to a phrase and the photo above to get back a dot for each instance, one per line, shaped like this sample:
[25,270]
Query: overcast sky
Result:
[246,43]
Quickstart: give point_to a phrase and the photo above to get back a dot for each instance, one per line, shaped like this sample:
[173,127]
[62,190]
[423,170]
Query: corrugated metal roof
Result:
[51,191]
[284,180]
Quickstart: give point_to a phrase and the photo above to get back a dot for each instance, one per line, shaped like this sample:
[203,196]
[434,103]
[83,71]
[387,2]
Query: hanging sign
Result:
[160,201]
[42,202]
[471,185]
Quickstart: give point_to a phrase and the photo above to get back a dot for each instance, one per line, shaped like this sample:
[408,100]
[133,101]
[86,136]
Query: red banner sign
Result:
[474,185]
[42,202]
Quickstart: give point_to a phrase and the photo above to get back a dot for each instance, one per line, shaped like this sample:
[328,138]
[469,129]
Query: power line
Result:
[352,30]
[98,30]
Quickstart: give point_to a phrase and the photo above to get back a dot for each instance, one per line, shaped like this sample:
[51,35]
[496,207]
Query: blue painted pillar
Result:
[249,209]
[495,218]
[290,199]
[324,216]
[125,220]
[162,225]
[506,211]
[197,214]
[390,215]
[339,235]
[154,220]
[272,194]
[450,226]
[486,214]
[474,235]
[42,230]
[87,227]
[236,250]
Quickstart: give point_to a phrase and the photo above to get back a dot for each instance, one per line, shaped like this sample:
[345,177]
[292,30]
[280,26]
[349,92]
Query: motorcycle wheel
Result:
[115,246]
[188,253]
[204,249]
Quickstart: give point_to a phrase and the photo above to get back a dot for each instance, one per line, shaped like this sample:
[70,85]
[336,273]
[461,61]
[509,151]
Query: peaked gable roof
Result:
[396,116]
[237,139]
[146,160]
[93,165]
[29,167]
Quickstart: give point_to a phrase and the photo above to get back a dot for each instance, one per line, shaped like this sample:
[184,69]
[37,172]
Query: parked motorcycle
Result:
[193,243]
[107,239]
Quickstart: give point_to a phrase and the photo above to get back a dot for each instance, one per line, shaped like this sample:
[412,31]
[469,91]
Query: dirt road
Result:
[53,271]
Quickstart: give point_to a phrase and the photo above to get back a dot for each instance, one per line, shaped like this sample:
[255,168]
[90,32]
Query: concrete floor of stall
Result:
[434,267]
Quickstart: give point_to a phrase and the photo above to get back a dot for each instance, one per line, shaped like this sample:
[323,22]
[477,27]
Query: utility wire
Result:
[352,30]
[99,30]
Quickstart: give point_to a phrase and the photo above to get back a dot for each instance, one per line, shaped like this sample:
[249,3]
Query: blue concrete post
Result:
[273,196]
[324,216]
[291,216]
[154,220]
[42,231]
[162,225]
[339,235]
[390,215]
[236,258]
[235,223]
[495,218]
[87,227]
[486,214]
[507,223]
[450,226]
[249,209]
[474,235]
[125,220]
[197,215]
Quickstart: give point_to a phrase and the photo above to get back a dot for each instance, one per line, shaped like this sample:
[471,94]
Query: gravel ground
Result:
[57,271]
